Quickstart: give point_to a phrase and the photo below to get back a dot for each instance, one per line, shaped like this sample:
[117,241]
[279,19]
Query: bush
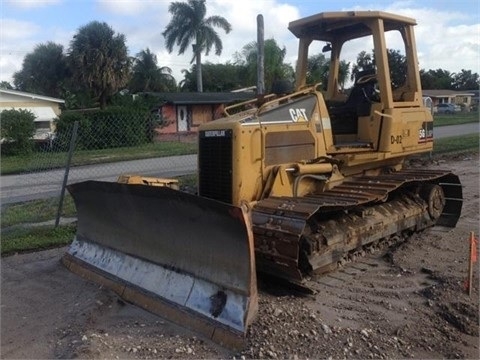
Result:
[16,131]
[110,128]
[64,127]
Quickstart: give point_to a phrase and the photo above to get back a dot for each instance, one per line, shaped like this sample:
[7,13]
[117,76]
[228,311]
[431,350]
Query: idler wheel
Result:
[435,198]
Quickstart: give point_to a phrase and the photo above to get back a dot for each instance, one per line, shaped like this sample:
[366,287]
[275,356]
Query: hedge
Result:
[110,128]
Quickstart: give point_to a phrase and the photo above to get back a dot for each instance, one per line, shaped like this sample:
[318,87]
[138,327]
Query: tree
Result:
[275,68]
[99,60]
[397,64]
[436,79]
[5,85]
[343,73]
[43,71]
[188,25]
[365,62]
[465,80]
[216,77]
[17,129]
[189,82]
[147,76]
[318,70]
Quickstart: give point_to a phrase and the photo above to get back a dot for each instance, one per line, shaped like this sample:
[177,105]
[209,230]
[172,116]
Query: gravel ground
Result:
[406,302]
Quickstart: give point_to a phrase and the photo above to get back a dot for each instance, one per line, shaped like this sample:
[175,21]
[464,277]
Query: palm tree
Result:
[343,73]
[147,76]
[188,25]
[365,61]
[99,60]
[318,71]
[275,68]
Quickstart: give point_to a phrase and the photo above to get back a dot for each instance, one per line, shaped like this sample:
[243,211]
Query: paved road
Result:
[16,188]
[455,130]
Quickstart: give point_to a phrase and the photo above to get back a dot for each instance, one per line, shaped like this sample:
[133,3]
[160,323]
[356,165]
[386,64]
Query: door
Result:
[182,118]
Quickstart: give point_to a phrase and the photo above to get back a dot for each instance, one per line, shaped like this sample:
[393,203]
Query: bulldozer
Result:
[289,184]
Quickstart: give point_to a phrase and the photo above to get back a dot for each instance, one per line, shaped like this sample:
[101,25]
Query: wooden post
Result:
[260,56]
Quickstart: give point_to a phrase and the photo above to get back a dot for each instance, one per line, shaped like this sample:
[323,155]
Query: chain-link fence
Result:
[96,149]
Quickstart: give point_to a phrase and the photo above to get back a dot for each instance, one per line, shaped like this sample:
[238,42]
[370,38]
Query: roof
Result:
[346,25]
[31,96]
[446,93]
[186,98]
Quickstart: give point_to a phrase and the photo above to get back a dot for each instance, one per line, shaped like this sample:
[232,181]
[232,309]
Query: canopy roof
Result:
[347,25]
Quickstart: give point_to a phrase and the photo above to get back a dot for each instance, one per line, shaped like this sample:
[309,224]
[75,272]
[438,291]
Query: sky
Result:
[447,34]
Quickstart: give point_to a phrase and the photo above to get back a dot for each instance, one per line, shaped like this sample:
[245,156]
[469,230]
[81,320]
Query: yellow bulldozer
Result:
[289,184]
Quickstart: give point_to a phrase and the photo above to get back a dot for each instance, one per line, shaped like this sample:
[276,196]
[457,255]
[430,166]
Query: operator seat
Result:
[344,117]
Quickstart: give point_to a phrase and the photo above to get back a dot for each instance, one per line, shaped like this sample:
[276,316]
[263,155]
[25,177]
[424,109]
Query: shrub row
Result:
[16,132]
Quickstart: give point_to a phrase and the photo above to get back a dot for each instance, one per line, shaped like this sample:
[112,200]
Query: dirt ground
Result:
[407,302]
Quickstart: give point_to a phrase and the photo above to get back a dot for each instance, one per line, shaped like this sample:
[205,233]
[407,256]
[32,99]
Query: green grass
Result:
[455,119]
[52,160]
[188,180]
[36,211]
[36,238]
[455,144]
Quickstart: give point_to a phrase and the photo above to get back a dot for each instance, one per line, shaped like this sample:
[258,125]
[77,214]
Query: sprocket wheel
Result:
[435,197]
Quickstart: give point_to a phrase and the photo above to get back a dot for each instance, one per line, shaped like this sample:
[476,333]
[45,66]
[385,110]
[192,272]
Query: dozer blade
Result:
[186,258]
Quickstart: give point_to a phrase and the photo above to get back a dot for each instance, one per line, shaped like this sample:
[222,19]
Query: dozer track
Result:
[297,236]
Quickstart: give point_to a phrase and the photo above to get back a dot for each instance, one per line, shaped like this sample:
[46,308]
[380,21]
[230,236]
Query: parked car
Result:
[448,108]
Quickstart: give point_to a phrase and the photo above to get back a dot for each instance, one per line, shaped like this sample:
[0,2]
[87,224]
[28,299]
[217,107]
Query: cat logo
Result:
[298,115]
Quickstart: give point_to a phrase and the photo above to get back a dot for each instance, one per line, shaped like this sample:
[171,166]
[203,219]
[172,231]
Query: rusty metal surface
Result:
[280,223]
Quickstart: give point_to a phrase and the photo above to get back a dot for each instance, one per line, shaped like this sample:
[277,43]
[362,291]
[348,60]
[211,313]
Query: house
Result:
[45,109]
[461,98]
[475,99]
[183,113]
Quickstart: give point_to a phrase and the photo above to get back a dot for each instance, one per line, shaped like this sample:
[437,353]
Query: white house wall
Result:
[44,108]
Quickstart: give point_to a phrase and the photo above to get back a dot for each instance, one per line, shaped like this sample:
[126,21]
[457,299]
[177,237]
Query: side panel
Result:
[283,147]
[407,131]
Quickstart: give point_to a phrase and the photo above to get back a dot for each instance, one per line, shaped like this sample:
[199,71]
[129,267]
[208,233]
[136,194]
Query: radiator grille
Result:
[215,165]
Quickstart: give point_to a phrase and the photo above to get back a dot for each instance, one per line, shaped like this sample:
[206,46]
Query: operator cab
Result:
[356,115]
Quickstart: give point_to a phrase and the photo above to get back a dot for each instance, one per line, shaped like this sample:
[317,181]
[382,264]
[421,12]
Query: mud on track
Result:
[408,302]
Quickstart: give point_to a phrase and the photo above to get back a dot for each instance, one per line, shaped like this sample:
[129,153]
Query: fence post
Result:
[73,140]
